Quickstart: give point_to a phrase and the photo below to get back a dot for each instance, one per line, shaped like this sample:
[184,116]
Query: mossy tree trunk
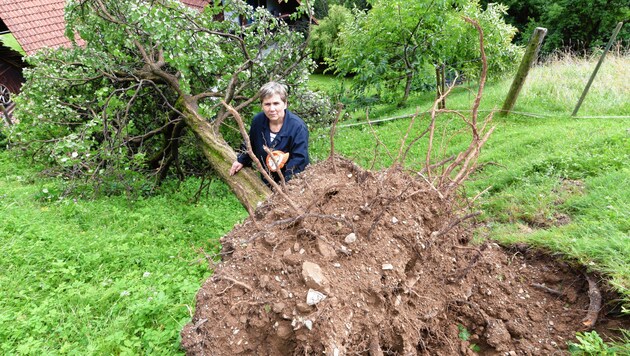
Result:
[246,185]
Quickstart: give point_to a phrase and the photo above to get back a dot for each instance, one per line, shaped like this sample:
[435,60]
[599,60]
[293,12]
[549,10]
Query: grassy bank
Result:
[104,276]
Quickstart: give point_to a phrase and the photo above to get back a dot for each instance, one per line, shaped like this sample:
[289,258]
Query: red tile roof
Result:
[37,24]
[197,4]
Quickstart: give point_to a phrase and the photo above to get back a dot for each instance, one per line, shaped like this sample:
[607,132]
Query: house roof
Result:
[37,24]
[197,4]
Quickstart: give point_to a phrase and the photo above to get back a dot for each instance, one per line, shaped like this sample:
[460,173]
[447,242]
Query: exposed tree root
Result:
[548,290]
[234,281]
[596,302]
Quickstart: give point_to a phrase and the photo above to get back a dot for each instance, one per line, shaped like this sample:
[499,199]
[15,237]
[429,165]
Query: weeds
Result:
[590,343]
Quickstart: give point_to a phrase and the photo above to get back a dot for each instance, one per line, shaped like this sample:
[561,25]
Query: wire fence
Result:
[522,113]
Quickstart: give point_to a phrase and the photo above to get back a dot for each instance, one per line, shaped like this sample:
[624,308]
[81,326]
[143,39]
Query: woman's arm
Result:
[298,154]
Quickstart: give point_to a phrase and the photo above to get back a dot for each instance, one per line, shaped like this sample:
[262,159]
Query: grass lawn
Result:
[9,40]
[104,276]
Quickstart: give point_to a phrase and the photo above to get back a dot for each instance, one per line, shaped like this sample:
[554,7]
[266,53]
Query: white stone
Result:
[350,238]
[309,324]
[394,220]
[387,266]
[313,297]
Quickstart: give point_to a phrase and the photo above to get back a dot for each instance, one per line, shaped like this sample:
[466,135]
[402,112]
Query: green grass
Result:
[557,86]
[562,167]
[107,276]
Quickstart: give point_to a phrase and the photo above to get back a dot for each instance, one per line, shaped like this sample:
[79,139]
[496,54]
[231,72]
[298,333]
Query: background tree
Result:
[325,36]
[150,79]
[397,44]
[322,7]
[575,25]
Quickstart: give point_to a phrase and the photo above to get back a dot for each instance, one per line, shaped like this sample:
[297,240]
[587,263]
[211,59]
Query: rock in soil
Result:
[395,287]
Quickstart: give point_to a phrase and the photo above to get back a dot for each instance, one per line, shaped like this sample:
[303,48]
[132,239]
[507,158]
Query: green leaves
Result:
[116,104]
[397,44]
[464,334]
[590,343]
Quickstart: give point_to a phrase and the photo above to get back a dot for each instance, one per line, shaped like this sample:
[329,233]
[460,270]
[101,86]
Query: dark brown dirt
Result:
[407,285]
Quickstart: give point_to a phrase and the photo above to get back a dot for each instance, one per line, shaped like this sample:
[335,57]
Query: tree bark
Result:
[247,185]
[408,82]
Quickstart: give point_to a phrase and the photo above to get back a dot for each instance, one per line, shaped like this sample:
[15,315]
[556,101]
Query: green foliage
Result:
[582,24]
[464,334]
[115,105]
[325,36]
[396,46]
[590,343]
[104,276]
[315,107]
[574,25]
[322,7]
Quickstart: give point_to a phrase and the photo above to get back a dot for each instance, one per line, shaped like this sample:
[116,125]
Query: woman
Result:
[281,131]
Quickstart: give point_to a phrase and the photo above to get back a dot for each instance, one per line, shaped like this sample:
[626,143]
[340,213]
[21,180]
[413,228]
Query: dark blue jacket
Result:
[292,138]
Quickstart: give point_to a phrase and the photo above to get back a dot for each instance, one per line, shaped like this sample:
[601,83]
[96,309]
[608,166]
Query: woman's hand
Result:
[236,166]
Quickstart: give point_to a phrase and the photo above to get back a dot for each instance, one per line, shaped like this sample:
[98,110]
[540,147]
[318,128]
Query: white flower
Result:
[75,154]
[146,274]
[124,293]
[45,191]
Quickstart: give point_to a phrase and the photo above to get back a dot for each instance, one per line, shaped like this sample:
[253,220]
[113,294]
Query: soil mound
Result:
[376,264]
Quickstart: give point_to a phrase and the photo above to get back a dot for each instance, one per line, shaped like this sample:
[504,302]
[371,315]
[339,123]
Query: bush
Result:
[314,107]
[325,36]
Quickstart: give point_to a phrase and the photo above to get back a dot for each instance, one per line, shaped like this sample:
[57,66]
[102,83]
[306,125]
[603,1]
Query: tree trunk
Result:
[408,82]
[247,185]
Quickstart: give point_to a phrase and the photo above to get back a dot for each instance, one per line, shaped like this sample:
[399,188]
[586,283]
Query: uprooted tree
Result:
[348,261]
[150,73]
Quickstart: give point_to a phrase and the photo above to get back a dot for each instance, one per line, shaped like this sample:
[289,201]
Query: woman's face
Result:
[273,107]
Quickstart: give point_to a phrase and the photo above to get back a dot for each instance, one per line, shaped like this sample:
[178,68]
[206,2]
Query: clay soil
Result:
[376,263]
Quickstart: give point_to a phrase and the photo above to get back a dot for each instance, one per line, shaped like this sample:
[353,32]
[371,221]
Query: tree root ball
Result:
[294,283]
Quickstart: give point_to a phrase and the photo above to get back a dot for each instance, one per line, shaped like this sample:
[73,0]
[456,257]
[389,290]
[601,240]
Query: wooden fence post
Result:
[528,58]
[599,63]
[440,85]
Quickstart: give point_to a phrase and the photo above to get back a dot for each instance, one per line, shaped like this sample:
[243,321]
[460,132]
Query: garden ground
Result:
[377,264]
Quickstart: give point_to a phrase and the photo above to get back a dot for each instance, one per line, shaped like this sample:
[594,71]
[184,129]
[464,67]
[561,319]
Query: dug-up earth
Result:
[376,264]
